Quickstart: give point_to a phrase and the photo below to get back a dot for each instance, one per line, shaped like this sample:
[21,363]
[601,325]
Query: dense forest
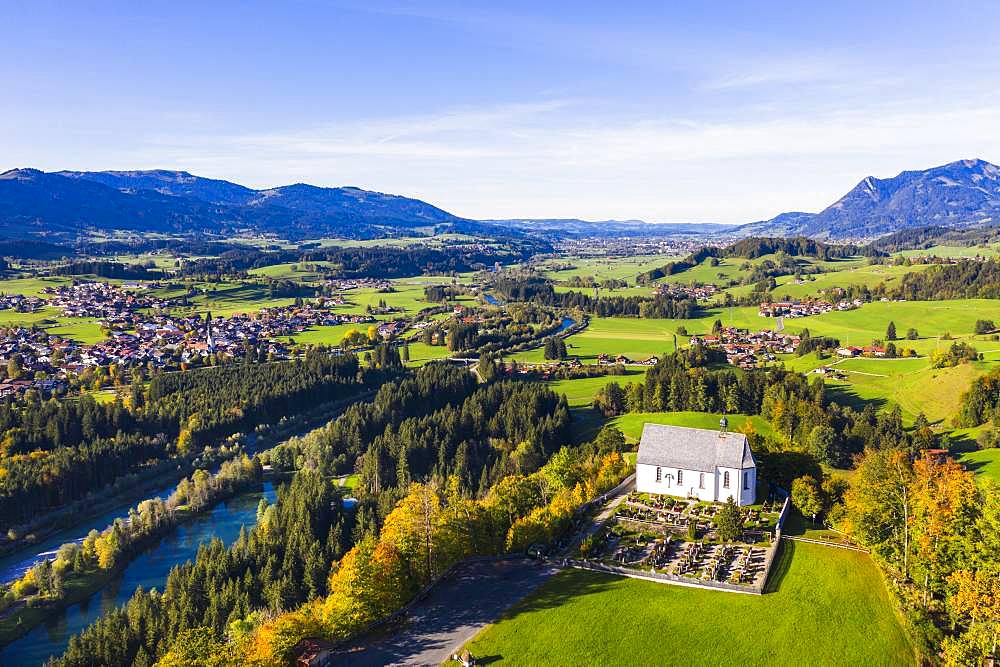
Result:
[103,269]
[372,262]
[423,441]
[58,451]
[965,279]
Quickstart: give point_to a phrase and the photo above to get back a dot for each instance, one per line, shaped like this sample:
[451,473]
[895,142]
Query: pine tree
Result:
[890,332]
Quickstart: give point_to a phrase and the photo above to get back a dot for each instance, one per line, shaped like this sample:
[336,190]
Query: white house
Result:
[696,463]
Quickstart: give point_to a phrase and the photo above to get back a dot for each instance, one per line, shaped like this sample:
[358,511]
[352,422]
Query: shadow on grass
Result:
[963,444]
[585,424]
[845,394]
[975,466]
[779,568]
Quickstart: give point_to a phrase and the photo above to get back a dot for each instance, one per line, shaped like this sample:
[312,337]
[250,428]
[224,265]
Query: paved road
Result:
[598,521]
[475,596]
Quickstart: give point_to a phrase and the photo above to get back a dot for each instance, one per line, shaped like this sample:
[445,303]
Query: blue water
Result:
[567,322]
[149,570]
[492,300]
[13,566]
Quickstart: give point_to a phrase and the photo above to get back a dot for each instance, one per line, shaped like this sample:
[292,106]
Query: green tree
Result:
[806,496]
[890,331]
[729,521]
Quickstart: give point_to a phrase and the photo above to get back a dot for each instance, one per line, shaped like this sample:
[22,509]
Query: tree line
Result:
[540,291]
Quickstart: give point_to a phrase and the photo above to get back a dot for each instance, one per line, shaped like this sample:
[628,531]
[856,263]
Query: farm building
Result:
[696,463]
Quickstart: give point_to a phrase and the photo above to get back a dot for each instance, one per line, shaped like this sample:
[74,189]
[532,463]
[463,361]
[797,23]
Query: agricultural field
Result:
[905,382]
[605,268]
[636,338]
[826,606]
[991,250]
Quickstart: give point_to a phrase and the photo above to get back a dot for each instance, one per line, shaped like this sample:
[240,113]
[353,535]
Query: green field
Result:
[580,391]
[954,251]
[906,383]
[31,286]
[830,608]
[604,268]
[985,463]
[631,424]
[635,338]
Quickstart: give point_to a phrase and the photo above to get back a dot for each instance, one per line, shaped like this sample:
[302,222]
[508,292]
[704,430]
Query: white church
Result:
[696,463]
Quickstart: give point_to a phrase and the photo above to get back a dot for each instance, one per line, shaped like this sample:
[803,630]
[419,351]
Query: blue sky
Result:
[712,112]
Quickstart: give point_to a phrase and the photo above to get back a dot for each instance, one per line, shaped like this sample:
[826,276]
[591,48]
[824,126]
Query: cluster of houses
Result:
[746,349]
[140,332]
[21,303]
[103,300]
[38,358]
[678,291]
[345,284]
[792,309]
[866,351]
[608,360]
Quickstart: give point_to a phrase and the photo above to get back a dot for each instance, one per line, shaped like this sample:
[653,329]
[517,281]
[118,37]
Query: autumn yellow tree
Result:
[945,502]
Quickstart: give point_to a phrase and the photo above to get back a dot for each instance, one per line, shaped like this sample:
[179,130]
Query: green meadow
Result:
[605,268]
[985,463]
[631,424]
[826,606]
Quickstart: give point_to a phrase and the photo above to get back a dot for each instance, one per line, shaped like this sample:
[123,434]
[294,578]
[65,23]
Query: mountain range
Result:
[66,204]
[959,194]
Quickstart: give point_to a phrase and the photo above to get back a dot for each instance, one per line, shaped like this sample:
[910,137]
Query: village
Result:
[143,332]
[792,309]
[746,349]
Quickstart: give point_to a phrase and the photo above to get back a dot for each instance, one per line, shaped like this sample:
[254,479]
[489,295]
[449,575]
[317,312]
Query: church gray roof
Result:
[693,448]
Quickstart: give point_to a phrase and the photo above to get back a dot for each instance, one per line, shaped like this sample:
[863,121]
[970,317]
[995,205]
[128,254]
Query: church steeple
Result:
[208,328]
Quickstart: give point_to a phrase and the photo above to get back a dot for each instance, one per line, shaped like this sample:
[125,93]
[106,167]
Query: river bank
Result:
[81,578]
[148,569]
[101,513]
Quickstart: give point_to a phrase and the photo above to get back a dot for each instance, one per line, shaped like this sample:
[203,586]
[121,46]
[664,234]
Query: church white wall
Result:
[691,486]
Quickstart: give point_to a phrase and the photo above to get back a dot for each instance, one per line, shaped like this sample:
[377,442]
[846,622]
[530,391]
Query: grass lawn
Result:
[327,335]
[954,251]
[409,295]
[85,330]
[830,608]
[32,286]
[580,391]
[421,353]
[985,463]
[905,382]
[631,424]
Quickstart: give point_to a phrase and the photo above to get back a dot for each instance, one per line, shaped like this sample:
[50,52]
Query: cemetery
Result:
[687,541]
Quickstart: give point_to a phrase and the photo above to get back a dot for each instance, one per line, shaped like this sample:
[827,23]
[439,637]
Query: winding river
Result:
[149,570]
[14,565]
